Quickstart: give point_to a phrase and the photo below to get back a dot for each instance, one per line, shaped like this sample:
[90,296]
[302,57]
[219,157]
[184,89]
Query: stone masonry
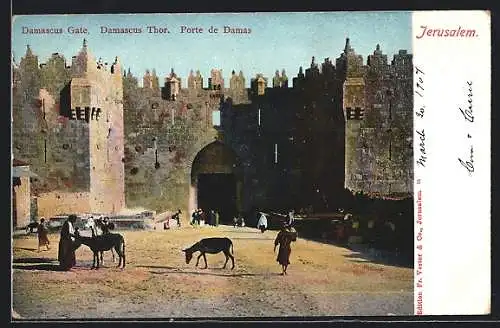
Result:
[95,133]
[68,124]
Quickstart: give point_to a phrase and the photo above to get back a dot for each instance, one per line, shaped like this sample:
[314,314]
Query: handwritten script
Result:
[467,113]
[419,91]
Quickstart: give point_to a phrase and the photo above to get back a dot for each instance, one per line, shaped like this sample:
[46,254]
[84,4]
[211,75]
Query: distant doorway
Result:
[217,191]
[216,181]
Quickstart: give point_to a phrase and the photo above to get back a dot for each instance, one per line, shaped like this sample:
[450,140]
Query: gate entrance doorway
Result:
[217,191]
[216,182]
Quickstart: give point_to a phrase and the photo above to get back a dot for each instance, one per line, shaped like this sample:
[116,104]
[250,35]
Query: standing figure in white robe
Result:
[262,224]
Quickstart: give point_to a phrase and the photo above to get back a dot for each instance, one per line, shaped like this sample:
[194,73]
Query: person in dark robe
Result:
[42,232]
[199,215]
[177,217]
[193,217]
[67,245]
[107,225]
[202,217]
[284,239]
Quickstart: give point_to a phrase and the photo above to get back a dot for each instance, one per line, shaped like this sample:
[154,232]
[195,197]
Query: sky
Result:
[277,40]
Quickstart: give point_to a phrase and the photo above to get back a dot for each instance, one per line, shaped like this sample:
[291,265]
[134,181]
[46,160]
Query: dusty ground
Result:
[322,280]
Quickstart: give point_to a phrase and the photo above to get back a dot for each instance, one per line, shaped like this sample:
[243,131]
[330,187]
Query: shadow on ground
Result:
[250,238]
[242,231]
[362,253]
[25,249]
[36,263]
[204,272]
[50,264]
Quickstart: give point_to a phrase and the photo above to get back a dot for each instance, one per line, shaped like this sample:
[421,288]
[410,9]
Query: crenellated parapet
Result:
[72,126]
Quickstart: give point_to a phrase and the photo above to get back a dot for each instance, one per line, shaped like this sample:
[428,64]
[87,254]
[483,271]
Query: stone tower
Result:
[377,105]
[349,70]
[96,101]
[69,126]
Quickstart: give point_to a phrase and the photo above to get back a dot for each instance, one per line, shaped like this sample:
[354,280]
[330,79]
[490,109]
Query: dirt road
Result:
[322,280]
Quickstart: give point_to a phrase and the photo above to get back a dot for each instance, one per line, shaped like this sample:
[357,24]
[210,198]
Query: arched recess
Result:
[216,181]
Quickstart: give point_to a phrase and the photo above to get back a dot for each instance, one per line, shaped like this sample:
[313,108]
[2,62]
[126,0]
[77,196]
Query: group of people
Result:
[238,221]
[210,218]
[67,241]
[68,245]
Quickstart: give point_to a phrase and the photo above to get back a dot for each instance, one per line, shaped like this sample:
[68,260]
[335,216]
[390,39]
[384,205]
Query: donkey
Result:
[98,227]
[211,246]
[102,243]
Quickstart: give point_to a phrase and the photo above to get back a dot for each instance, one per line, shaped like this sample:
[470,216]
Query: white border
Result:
[453,230]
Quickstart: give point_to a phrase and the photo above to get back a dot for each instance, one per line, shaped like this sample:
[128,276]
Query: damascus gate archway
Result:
[216,181]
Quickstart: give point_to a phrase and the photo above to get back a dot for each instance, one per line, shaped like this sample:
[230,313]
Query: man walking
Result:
[284,239]
[42,231]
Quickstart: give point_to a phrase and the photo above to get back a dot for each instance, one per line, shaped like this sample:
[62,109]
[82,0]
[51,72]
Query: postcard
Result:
[250,165]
